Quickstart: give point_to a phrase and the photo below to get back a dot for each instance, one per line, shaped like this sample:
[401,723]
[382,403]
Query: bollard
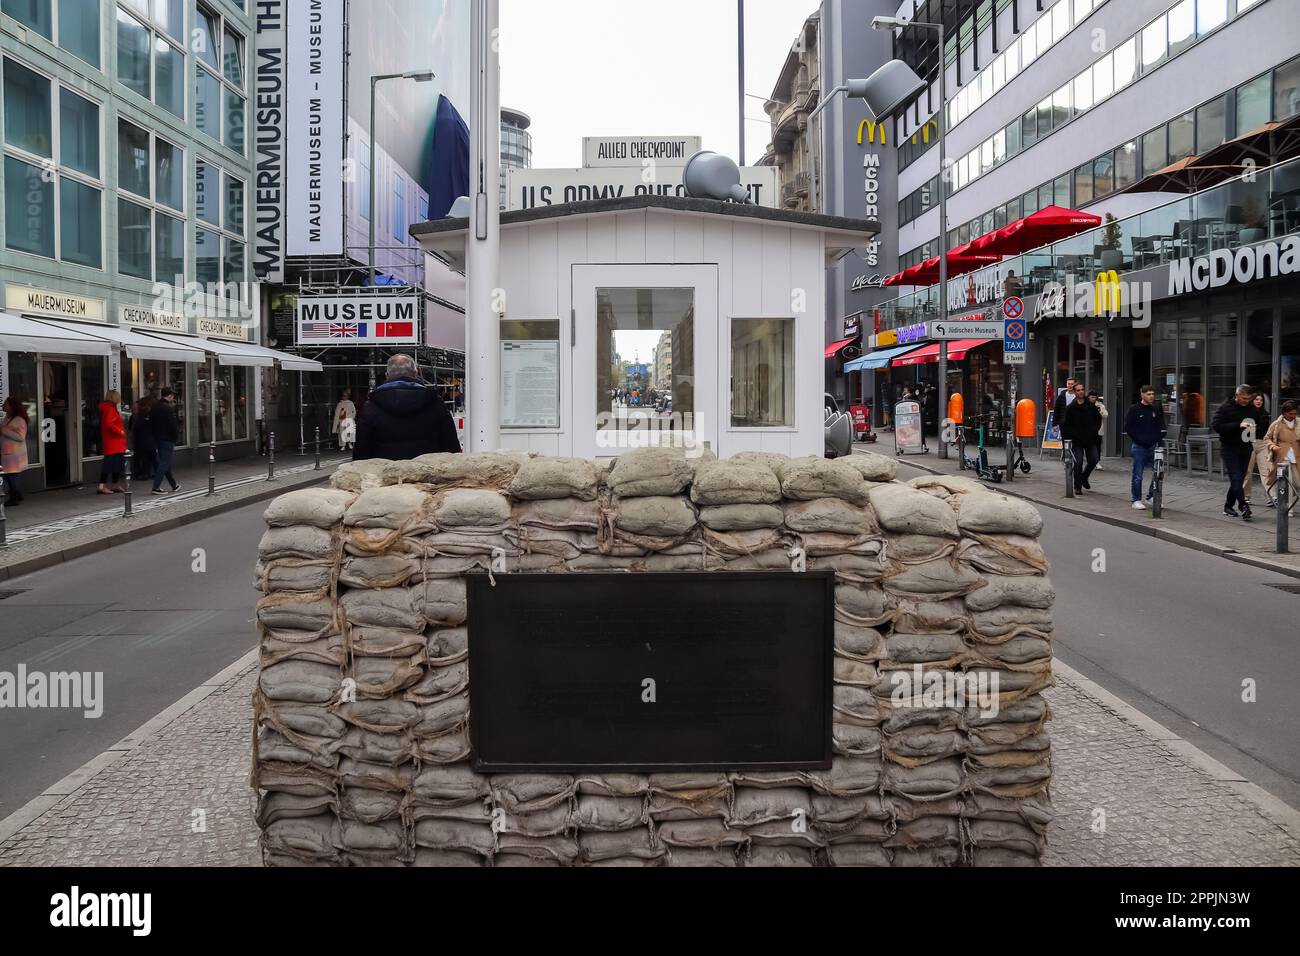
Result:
[1283,508]
[270,458]
[212,468]
[126,497]
[1157,483]
[1068,458]
[318,448]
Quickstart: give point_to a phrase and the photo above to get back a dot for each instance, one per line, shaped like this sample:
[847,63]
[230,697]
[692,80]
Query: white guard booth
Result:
[655,320]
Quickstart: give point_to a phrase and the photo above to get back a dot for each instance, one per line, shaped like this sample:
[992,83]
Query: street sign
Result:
[1015,336]
[965,329]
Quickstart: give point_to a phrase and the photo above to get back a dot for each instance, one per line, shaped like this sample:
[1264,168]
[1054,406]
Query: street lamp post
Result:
[420,76]
[891,23]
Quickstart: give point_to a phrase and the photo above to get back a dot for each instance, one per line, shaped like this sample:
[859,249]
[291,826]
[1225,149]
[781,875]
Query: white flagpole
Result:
[483,246]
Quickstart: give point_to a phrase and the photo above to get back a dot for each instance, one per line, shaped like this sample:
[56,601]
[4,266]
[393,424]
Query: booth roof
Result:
[850,233]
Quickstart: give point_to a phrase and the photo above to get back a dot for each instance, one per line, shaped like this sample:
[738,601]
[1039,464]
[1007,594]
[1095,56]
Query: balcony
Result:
[796,190]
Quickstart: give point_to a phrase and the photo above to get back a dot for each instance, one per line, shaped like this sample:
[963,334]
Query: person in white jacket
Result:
[1101,407]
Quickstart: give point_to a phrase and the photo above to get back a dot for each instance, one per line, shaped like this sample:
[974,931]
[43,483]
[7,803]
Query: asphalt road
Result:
[1175,632]
[140,615]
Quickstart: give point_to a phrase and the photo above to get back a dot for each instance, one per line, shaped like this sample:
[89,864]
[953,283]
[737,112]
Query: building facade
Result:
[1174,121]
[794,97]
[127,203]
[516,145]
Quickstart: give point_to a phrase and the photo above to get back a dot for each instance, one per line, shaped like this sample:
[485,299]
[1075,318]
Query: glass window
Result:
[233,131]
[1029,203]
[1252,104]
[234,261]
[1155,43]
[1083,91]
[1182,138]
[1045,196]
[29,209]
[1062,191]
[170,254]
[1103,178]
[1028,47]
[206,36]
[132,53]
[1081,10]
[33,14]
[1083,184]
[79,29]
[1060,21]
[1044,30]
[207,192]
[28,123]
[999,73]
[999,146]
[1126,165]
[1061,111]
[1155,153]
[1103,78]
[133,240]
[1211,125]
[207,256]
[1125,61]
[1045,117]
[1029,128]
[1286,90]
[1182,26]
[80,228]
[1243,5]
[1012,56]
[234,218]
[1012,136]
[239,402]
[762,373]
[133,159]
[233,57]
[169,77]
[986,156]
[207,103]
[78,133]
[1210,14]
[399,208]
[169,174]
[170,15]
[223,385]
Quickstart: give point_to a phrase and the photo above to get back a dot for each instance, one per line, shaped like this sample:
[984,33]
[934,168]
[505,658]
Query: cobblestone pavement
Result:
[1159,809]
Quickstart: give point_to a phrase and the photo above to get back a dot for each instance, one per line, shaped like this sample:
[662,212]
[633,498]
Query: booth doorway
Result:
[59,424]
[645,357]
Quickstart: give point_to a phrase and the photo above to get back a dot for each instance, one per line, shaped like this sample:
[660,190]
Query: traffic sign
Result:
[1013,308]
[965,329]
[1015,334]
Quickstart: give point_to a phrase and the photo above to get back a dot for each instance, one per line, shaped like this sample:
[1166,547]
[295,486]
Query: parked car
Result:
[839,429]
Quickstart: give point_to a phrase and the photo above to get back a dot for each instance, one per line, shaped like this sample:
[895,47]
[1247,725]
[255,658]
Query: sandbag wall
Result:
[943,625]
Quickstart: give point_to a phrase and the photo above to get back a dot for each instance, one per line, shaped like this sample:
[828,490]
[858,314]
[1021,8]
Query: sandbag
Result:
[829,514]
[318,507]
[873,467]
[741,517]
[1026,591]
[651,472]
[472,508]
[991,513]
[659,516]
[358,476]
[544,478]
[397,508]
[905,510]
[484,470]
[735,482]
[807,479]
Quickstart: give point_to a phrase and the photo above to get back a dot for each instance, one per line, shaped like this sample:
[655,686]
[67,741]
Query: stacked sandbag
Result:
[942,646]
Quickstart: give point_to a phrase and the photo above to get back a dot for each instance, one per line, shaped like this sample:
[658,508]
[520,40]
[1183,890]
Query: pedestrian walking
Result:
[1145,426]
[144,458]
[1105,414]
[1063,399]
[1260,459]
[165,432]
[1237,423]
[404,417]
[112,437]
[13,447]
[345,411]
[1283,441]
[1082,426]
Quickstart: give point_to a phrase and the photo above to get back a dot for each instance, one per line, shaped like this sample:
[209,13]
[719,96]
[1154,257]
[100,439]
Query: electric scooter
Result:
[978,463]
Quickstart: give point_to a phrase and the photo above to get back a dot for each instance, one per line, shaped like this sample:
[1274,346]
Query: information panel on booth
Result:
[530,383]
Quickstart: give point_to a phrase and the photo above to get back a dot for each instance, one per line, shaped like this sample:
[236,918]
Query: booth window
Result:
[762,373]
[645,359]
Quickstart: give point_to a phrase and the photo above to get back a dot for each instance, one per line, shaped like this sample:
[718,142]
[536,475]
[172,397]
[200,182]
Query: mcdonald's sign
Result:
[869,128]
[1107,294]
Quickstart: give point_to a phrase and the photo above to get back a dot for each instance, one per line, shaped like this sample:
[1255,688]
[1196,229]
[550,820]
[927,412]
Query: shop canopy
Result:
[879,358]
[929,355]
[241,353]
[834,348]
[1049,224]
[927,272]
[137,345]
[20,334]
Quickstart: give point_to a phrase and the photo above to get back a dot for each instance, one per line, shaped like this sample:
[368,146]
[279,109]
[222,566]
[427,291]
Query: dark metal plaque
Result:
[651,672]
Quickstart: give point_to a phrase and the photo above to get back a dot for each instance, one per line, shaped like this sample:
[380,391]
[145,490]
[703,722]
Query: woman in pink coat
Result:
[13,447]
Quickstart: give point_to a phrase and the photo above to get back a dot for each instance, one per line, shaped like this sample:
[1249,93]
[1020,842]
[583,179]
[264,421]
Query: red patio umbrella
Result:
[927,273]
[1047,225]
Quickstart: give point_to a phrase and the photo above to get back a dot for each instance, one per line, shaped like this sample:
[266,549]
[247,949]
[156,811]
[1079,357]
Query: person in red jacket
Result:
[112,436]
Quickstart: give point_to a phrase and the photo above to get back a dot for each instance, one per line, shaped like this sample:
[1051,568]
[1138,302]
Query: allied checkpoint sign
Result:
[651,672]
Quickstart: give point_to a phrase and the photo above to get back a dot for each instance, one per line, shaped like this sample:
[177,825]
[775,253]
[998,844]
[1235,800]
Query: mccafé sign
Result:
[1264,260]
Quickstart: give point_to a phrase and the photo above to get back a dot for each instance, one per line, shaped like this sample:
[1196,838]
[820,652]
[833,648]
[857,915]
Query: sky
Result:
[625,67]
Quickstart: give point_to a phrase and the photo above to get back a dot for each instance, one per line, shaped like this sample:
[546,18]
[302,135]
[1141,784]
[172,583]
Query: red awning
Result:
[930,354]
[927,273]
[834,350]
[1047,225]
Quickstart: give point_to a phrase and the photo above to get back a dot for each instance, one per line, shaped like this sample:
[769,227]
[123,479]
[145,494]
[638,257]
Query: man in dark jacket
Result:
[404,418]
[1145,426]
[162,422]
[1082,426]
[1238,423]
[1064,398]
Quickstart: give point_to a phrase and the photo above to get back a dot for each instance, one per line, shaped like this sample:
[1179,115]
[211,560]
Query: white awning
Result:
[19,334]
[137,345]
[242,354]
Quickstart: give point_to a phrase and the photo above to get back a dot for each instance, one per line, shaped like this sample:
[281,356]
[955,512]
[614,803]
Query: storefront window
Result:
[762,373]
[1164,372]
[1191,372]
[1221,358]
[1289,356]
[92,393]
[239,401]
[1259,353]
[224,411]
[203,401]
[23,386]
[176,379]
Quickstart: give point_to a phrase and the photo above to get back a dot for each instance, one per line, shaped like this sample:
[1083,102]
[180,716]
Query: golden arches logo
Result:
[1108,296]
[869,128]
